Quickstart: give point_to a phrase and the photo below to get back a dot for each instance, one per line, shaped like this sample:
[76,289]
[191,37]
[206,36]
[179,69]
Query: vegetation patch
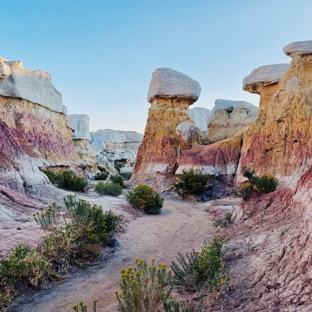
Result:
[108,189]
[126,175]
[225,222]
[144,287]
[116,179]
[191,182]
[49,218]
[145,198]
[193,270]
[244,191]
[66,179]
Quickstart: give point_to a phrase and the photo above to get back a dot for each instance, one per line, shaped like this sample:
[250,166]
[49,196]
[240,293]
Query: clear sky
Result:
[101,54]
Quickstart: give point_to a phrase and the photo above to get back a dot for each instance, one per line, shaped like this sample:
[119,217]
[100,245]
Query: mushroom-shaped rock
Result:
[264,81]
[170,94]
[169,83]
[299,47]
[264,76]
[34,86]
[5,70]
[80,124]
[187,132]
[200,117]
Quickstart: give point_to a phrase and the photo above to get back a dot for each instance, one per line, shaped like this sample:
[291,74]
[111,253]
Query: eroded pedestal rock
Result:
[170,95]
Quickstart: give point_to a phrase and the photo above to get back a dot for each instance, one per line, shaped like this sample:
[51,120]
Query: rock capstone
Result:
[169,83]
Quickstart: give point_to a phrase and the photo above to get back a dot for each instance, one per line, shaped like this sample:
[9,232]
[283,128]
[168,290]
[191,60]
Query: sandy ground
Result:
[181,227]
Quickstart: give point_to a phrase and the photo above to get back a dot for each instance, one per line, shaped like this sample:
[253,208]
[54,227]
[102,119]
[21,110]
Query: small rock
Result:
[208,193]
[18,228]
[205,198]
[208,187]
[113,242]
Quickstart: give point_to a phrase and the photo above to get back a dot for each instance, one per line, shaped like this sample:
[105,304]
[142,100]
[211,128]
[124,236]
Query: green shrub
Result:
[144,197]
[49,218]
[244,191]
[50,174]
[108,189]
[126,175]
[83,307]
[102,169]
[90,228]
[68,180]
[249,174]
[118,167]
[116,179]
[24,265]
[191,181]
[207,267]
[225,222]
[101,176]
[266,184]
[143,288]
[171,305]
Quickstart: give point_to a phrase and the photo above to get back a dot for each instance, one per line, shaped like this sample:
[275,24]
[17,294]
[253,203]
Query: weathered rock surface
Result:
[157,157]
[167,83]
[298,48]
[228,118]
[200,117]
[114,147]
[188,134]
[80,124]
[279,143]
[34,86]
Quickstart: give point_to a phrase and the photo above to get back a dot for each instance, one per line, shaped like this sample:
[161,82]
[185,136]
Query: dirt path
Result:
[181,227]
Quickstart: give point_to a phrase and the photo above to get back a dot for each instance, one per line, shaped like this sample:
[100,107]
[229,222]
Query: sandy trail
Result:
[181,227]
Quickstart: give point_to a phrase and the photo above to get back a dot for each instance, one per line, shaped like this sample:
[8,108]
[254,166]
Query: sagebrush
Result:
[108,189]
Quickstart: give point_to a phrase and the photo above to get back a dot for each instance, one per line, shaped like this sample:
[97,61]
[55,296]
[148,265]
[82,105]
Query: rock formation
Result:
[81,136]
[115,147]
[170,95]
[280,144]
[34,130]
[228,117]
[200,116]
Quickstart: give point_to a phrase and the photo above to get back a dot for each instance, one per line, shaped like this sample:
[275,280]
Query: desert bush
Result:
[143,288]
[90,229]
[118,167]
[68,180]
[249,174]
[193,270]
[126,175]
[191,181]
[225,222]
[83,307]
[116,179]
[244,191]
[266,184]
[101,175]
[171,305]
[50,174]
[144,197]
[49,218]
[102,169]
[108,189]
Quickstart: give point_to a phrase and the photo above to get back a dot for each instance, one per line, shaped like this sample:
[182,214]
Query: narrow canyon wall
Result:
[170,95]
[279,142]
[34,132]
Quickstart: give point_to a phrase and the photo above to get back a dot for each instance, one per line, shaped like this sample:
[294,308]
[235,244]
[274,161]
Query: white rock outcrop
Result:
[229,106]
[34,86]
[264,76]
[80,124]
[169,83]
[299,47]
[187,132]
[200,117]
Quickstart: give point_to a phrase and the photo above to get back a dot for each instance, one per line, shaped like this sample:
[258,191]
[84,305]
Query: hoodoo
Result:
[170,95]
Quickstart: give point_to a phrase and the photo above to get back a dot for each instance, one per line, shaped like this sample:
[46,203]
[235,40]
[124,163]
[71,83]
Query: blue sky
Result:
[101,54]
